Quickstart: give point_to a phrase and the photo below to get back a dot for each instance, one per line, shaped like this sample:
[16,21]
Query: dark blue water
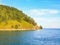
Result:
[37,37]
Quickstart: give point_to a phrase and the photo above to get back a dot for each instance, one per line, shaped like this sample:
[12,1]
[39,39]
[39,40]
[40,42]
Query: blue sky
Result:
[44,12]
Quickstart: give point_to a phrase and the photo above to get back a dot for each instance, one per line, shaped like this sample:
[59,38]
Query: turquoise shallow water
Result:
[37,37]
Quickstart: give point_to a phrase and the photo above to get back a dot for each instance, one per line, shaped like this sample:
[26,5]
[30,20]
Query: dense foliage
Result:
[11,13]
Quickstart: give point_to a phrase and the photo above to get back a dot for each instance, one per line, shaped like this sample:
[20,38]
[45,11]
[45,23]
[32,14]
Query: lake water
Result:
[37,37]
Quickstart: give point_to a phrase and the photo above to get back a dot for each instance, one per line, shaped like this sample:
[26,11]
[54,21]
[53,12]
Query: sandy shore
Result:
[15,29]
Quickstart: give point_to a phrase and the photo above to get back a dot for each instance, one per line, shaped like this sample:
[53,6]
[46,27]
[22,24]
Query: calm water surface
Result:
[37,37]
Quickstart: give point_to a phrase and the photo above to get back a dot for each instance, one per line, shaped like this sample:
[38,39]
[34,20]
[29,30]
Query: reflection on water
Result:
[37,37]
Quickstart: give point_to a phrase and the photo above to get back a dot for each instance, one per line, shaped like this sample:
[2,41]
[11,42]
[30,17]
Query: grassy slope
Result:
[21,25]
[26,25]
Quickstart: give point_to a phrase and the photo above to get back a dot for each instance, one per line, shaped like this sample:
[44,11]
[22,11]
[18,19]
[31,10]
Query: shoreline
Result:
[18,29]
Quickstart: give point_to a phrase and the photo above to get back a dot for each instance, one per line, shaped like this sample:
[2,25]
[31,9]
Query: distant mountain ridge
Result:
[12,18]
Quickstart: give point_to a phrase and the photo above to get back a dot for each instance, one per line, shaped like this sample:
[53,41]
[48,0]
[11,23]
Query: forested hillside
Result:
[12,18]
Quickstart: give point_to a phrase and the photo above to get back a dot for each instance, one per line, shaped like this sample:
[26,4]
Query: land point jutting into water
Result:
[13,19]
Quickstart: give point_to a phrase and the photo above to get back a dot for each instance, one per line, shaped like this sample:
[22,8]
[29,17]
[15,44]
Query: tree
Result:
[40,27]
[16,26]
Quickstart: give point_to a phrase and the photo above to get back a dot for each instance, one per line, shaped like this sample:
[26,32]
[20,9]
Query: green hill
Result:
[12,18]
